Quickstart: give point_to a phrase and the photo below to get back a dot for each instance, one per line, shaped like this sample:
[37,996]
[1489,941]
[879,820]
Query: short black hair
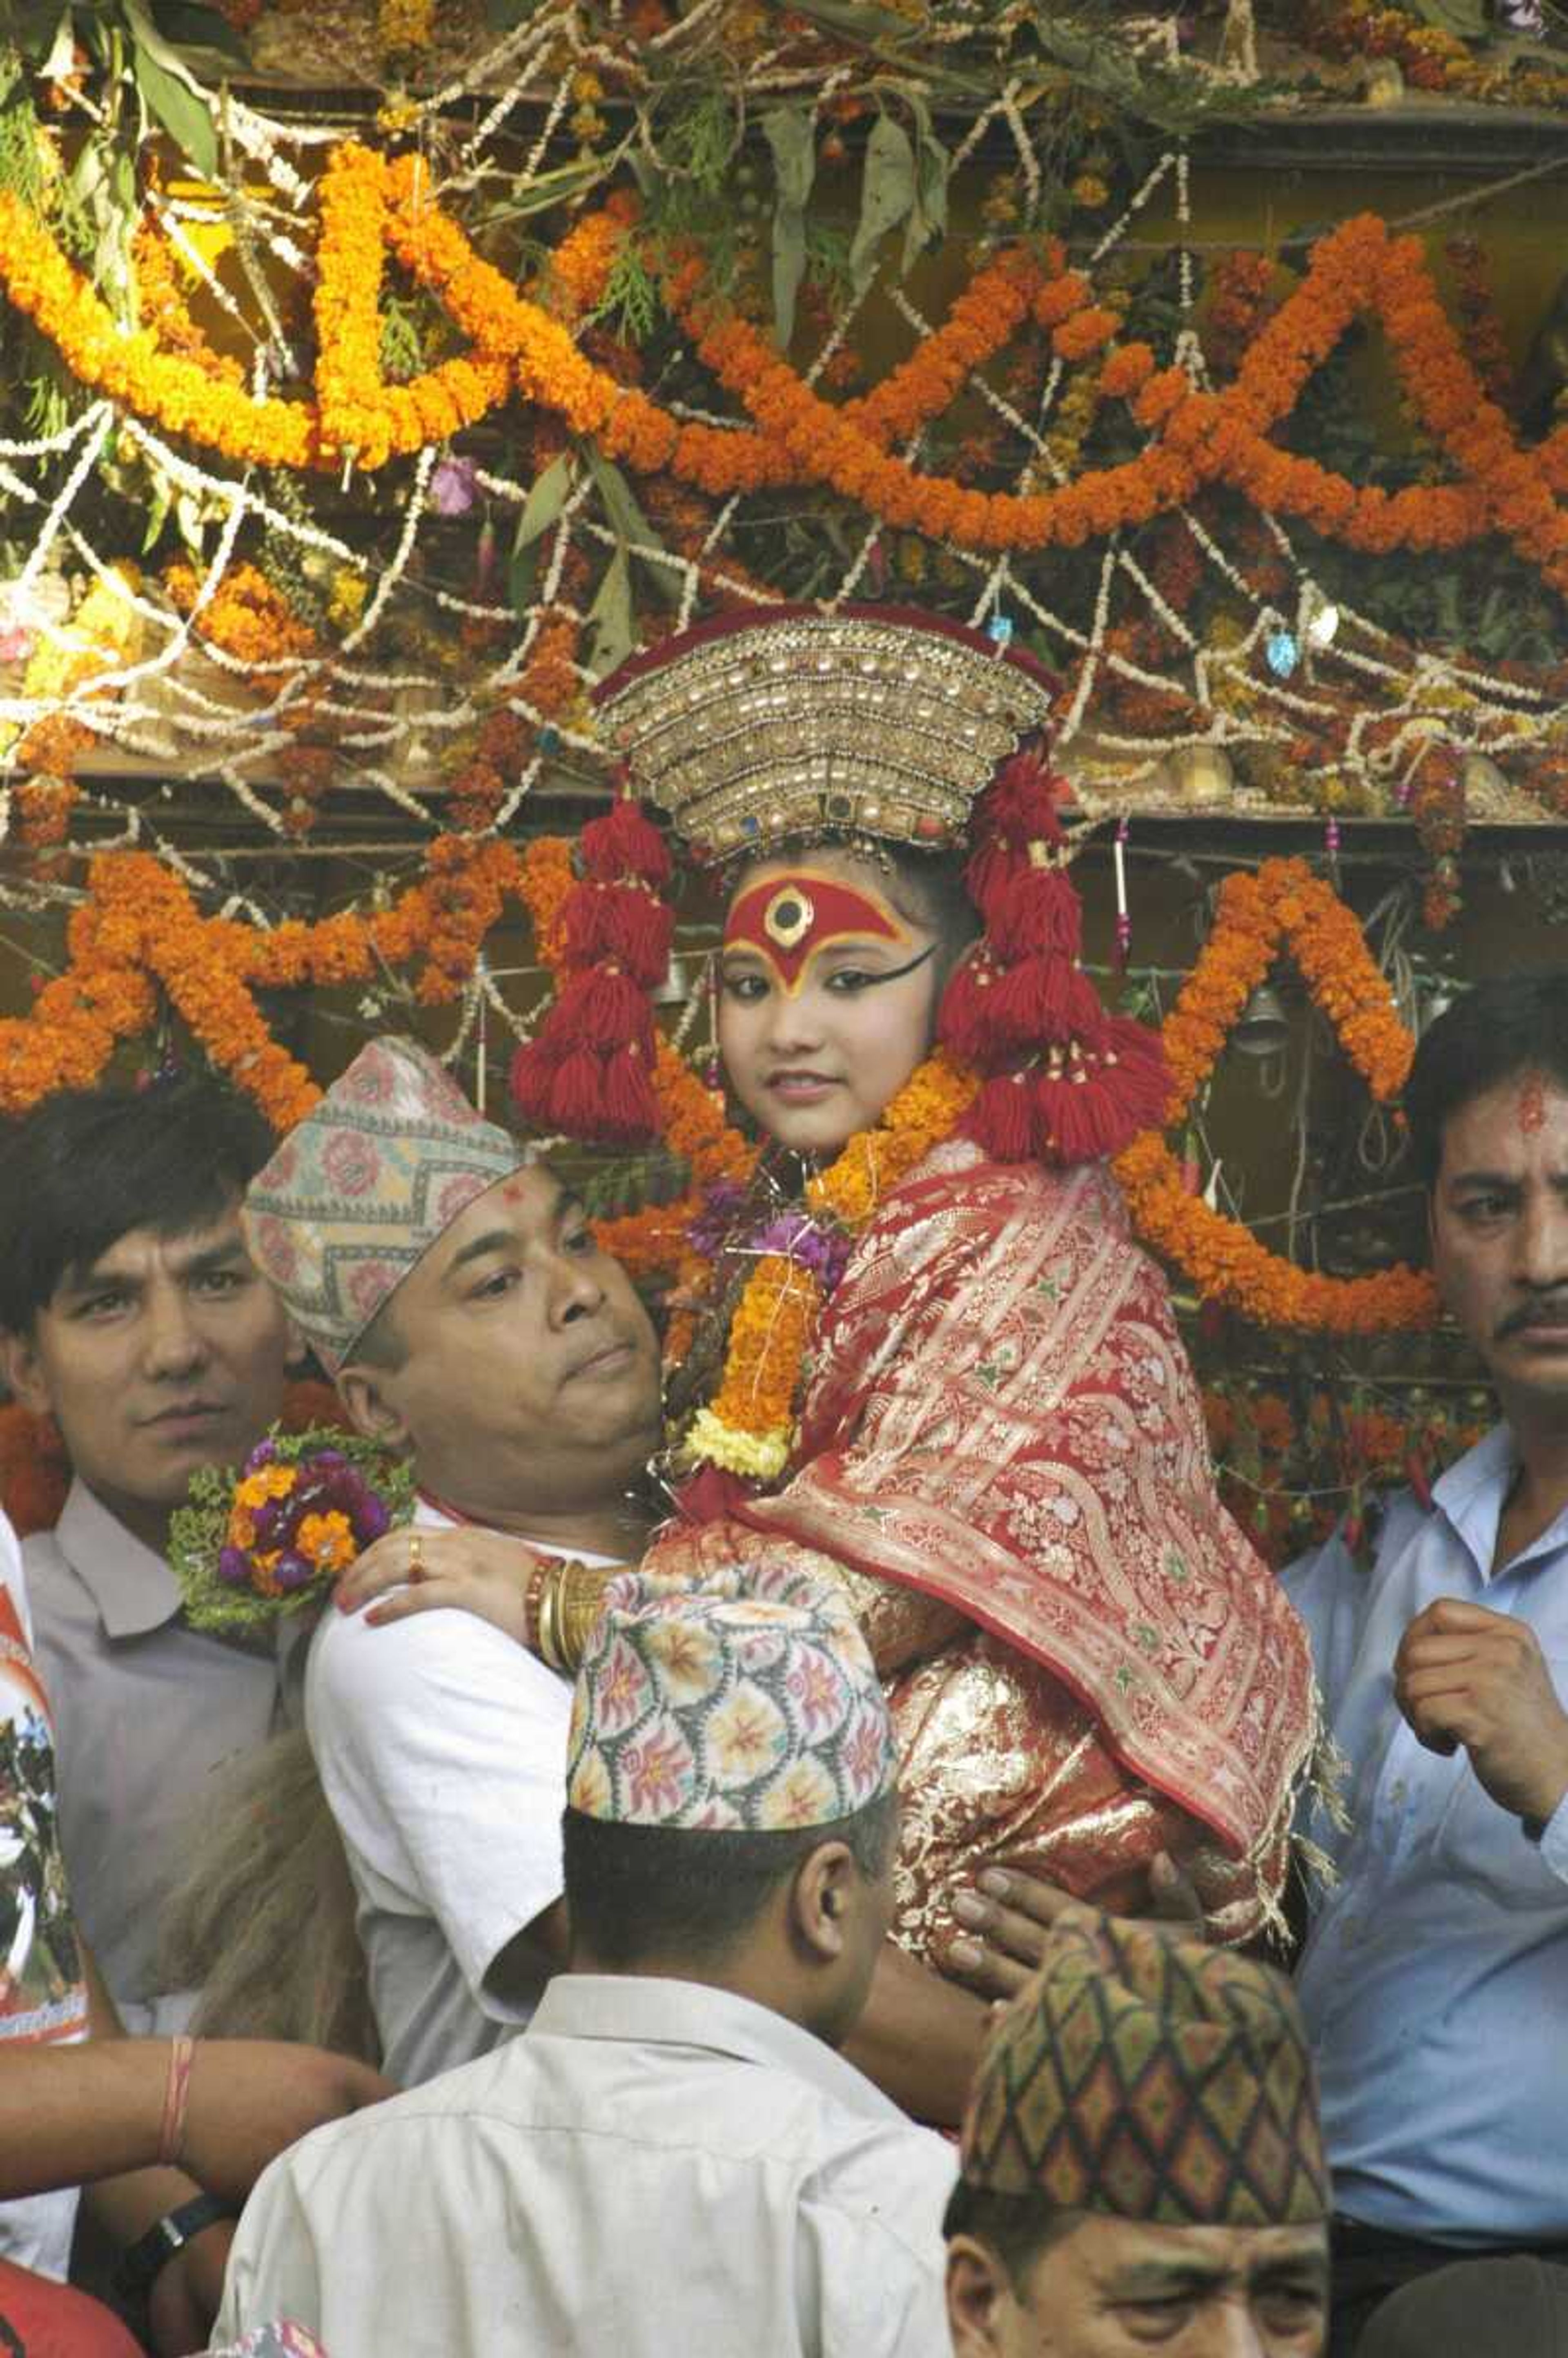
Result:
[634,1892]
[1512,1023]
[86,1167]
[1017,2227]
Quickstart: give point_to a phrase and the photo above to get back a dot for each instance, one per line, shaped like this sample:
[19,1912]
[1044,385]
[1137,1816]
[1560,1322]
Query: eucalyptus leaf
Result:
[47,38]
[614,631]
[629,522]
[547,189]
[547,495]
[928,215]
[1467,18]
[170,94]
[194,26]
[791,133]
[887,192]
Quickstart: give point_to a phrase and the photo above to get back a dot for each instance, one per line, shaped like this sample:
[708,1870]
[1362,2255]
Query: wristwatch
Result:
[145,2259]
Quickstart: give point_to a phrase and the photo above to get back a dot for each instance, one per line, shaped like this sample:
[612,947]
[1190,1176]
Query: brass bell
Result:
[1263,1027]
[1201,774]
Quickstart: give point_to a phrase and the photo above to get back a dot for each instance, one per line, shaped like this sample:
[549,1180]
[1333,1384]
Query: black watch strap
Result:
[151,2253]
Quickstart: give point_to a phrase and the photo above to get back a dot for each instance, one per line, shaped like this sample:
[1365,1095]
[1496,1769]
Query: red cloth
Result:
[40,2318]
[1002,1418]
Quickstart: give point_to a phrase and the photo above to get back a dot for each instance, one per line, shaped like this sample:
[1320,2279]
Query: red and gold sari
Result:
[1002,1456]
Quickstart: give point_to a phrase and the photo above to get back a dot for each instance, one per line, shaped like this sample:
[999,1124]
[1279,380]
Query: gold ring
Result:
[415,1550]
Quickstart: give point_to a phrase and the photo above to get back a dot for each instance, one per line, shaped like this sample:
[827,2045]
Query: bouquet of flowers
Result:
[275,1536]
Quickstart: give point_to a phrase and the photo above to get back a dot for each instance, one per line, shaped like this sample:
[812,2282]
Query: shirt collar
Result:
[640,2009]
[132,1588]
[1472,1496]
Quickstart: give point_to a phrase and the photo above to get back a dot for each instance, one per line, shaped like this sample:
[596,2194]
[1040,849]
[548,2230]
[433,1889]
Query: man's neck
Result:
[143,1518]
[616,1526]
[1540,1493]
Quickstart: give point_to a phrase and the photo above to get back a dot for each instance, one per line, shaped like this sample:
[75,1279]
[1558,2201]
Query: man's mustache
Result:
[1547,1310]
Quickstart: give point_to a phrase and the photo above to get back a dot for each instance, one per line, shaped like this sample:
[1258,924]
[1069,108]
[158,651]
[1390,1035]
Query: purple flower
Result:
[235,1566]
[262,1454]
[709,1232]
[292,1570]
[372,1520]
[454,487]
[799,1240]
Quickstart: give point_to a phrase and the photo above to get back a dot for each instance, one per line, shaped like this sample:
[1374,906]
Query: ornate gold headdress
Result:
[774,727]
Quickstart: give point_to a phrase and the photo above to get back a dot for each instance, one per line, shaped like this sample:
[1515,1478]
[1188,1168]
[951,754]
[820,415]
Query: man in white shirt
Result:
[454,1290]
[134,1316]
[459,1295]
[672,2157]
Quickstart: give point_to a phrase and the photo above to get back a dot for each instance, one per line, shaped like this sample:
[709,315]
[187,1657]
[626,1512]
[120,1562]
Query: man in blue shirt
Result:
[1434,1977]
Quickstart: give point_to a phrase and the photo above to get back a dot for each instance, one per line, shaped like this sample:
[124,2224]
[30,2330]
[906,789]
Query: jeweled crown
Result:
[789,724]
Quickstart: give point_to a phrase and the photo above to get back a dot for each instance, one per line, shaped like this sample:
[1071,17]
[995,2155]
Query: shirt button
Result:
[1397,1791]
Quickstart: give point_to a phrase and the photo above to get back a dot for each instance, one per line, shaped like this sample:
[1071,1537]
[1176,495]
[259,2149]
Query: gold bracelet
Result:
[581,1603]
[549,1601]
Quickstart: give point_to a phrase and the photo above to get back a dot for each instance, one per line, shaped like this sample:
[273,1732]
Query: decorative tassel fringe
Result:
[589,1069]
[1066,1082]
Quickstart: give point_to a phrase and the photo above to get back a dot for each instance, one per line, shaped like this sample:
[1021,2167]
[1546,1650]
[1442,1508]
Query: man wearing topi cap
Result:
[1142,2165]
[672,2157]
[451,1286]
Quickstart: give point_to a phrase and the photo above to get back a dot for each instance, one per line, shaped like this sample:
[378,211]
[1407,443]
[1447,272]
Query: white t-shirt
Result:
[441,1745]
[43,1995]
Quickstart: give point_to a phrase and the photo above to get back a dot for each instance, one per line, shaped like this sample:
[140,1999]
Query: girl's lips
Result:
[800,1088]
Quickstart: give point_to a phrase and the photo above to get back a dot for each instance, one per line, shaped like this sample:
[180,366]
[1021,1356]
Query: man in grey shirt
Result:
[133,1314]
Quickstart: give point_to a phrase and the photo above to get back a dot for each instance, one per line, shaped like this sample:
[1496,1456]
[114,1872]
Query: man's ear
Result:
[296,1354]
[370,1412]
[978,2296]
[23,1371]
[826,1891]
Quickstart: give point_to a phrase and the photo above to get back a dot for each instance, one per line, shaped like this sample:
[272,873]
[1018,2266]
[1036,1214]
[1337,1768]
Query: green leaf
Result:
[547,495]
[183,114]
[194,26]
[628,521]
[887,192]
[614,631]
[928,215]
[1467,18]
[43,34]
[791,133]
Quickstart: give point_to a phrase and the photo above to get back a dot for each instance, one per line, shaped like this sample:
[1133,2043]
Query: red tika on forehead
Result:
[1532,1104]
[788,920]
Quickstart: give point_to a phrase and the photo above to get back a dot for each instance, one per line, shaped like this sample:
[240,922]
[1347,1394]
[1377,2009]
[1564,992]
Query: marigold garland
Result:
[1285,906]
[748,1426]
[369,205]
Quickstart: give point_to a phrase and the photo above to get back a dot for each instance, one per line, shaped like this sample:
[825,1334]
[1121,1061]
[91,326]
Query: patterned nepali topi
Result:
[747,1702]
[1155,2080]
[358,1191]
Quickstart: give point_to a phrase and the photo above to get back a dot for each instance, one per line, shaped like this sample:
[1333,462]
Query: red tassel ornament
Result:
[1065,1081]
[587,1070]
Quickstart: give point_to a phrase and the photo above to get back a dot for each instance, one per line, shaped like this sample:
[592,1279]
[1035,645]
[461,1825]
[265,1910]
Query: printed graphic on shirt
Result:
[42,1995]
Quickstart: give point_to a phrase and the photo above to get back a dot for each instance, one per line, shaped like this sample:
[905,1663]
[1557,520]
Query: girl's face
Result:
[828,997]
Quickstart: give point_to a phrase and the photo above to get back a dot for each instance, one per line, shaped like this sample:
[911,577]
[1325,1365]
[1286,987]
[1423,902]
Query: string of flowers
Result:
[1283,907]
[369,206]
[747,1427]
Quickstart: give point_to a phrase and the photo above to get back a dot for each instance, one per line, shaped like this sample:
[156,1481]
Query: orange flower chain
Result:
[1285,906]
[369,206]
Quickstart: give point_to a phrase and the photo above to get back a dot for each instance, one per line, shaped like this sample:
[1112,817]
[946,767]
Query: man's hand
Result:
[1010,1914]
[1466,1675]
[187,2291]
[250,2097]
[482,1573]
